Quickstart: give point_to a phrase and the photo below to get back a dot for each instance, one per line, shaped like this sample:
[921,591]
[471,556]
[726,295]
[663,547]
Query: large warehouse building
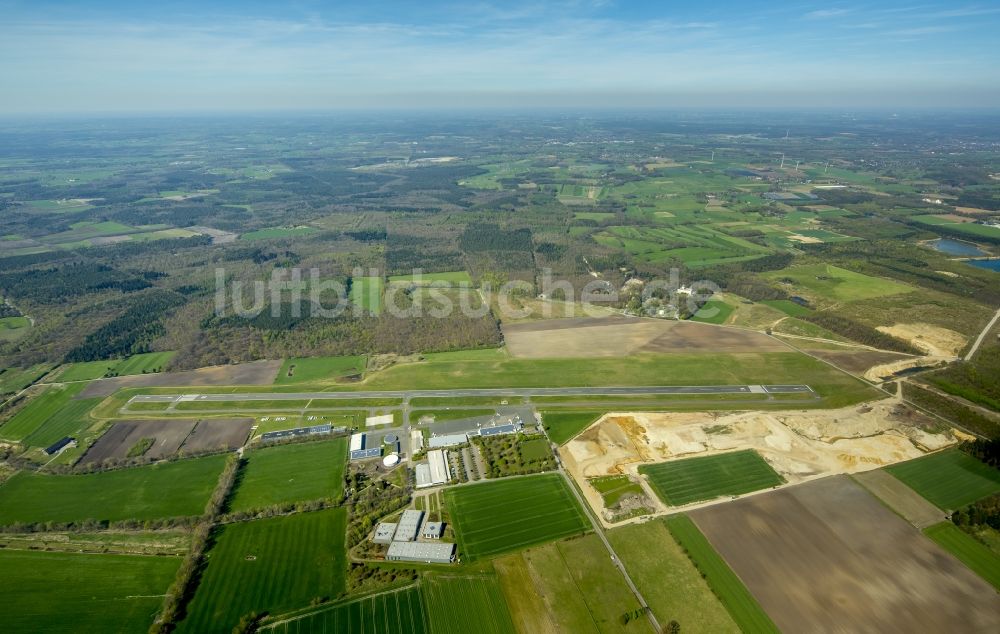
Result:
[409,525]
[435,471]
[428,553]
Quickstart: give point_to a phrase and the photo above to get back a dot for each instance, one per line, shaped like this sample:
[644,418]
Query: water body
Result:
[956,247]
[992,264]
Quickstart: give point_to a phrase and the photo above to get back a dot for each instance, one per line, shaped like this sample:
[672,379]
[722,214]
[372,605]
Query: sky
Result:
[244,55]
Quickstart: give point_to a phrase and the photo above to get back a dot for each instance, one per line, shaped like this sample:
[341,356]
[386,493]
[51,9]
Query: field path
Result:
[982,335]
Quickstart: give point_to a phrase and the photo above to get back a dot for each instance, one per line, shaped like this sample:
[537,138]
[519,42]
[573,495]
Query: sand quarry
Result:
[800,445]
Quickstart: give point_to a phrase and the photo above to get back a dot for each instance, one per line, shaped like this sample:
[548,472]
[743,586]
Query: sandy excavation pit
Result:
[800,445]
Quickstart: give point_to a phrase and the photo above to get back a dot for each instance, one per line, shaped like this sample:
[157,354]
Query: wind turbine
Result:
[713,157]
[782,166]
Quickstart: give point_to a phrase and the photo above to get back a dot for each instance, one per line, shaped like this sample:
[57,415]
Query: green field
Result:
[453,278]
[71,420]
[714,312]
[742,607]
[39,409]
[978,557]
[835,284]
[16,379]
[496,517]
[949,479]
[12,328]
[669,582]
[136,364]
[366,292]
[459,604]
[399,611]
[271,565]
[173,489]
[687,480]
[969,229]
[70,592]
[307,369]
[292,473]
[613,487]
[278,232]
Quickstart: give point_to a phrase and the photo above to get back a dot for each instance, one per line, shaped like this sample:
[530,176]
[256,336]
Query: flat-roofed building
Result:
[409,526]
[447,440]
[432,530]
[437,459]
[425,552]
[384,533]
[357,442]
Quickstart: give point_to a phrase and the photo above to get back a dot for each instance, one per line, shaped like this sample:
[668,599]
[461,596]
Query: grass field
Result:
[136,364]
[835,284]
[787,306]
[454,278]
[70,420]
[949,479]
[16,379]
[713,312]
[307,369]
[613,487]
[292,473]
[271,565]
[163,490]
[669,582]
[366,292]
[12,328]
[688,480]
[497,517]
[398,611]
[569,586]
[40,409]
[738,601]
[70,592]
[978,557]
[277,232]
[466,603]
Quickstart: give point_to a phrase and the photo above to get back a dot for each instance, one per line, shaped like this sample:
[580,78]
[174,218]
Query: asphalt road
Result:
[458,393]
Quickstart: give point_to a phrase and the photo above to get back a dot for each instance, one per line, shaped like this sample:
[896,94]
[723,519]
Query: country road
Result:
[982,336]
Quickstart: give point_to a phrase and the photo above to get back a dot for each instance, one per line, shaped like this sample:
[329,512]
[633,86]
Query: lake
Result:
[992,264]
[956,247]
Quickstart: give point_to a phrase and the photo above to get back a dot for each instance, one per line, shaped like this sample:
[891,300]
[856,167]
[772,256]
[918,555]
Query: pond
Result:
[992,264]
[955,247]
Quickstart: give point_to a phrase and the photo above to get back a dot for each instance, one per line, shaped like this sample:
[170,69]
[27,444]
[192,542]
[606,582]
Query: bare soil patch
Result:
[117,441]
[800,445]
[901,498]
[218,433]
[933,340]
[827,556]
[618,336]
[255,373]
[858,361]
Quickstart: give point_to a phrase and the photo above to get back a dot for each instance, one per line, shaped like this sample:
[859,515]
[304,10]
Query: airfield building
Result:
[447,440]
[358,450]
[428,553]
[433,530]
[65,443]
[435,471]
[298,432]
[384,533]
[409,526]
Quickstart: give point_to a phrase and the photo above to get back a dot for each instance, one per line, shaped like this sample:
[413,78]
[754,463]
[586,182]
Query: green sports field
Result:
[977,556]
[688,480]
[561,426]
[174,489]
[399,611]
[497,517]
[272,565]
[70,592]
[948,479]
[738,601]
[466,603]
[292,473]
[307,369]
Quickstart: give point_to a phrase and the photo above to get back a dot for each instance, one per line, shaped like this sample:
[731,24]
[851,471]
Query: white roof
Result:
[437,459]
[447,440]
[357,442]
[421,551]
[423,475]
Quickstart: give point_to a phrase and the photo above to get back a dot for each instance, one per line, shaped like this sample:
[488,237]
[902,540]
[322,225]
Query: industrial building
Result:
[357,442]
[435,471]
[447,440]
[433,530]
[409,526]
[358,451]
[384,533]
[429,553]
[497,430]
[315,430]
[65,443]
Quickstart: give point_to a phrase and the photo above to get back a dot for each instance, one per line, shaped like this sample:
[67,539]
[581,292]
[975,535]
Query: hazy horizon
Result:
[113,57]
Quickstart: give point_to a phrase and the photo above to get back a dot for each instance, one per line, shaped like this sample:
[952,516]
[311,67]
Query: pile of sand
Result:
[932,340]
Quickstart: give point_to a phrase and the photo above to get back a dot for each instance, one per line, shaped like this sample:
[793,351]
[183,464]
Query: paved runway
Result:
[458,393]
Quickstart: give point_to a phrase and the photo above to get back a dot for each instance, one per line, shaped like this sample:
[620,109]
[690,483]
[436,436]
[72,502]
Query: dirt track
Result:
[255,373]
[828,557]
[619,336]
